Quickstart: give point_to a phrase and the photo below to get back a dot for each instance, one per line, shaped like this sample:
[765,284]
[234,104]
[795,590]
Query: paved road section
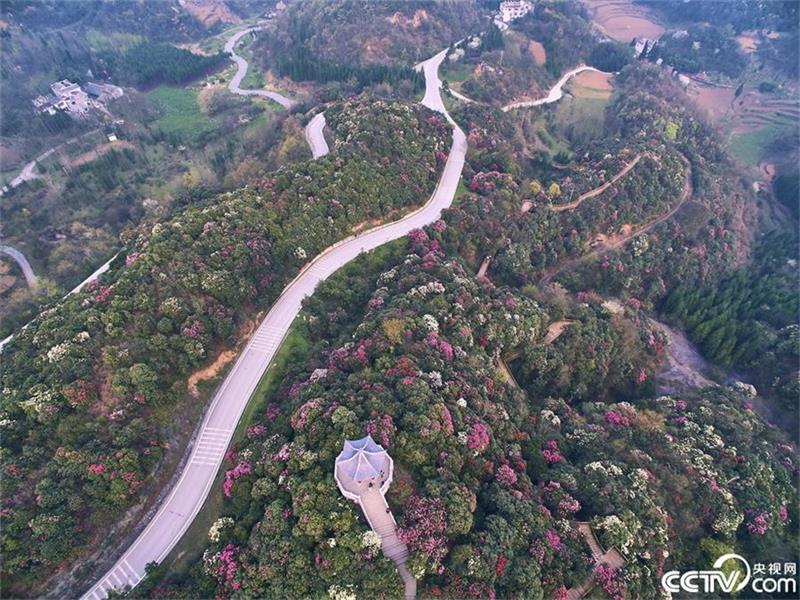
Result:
[187,497]
[241,63]
[315,136]
[28,172]
[27,270]
[556,92]
[99,271]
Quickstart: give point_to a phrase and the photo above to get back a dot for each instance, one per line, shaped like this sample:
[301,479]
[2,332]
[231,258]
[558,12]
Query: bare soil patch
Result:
[210,372]
[210,13]
[591,84]
[716,102]
[748,42]
[538,52]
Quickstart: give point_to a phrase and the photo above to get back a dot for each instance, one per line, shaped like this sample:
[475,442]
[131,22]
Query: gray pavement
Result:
[27,270]
[315,136]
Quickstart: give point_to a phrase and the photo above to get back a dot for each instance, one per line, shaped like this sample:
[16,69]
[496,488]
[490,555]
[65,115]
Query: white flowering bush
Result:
[217,527]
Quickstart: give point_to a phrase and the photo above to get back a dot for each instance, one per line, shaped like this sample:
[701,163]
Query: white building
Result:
[514,9]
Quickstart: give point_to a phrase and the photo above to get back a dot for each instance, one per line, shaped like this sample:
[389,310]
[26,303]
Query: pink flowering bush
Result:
[554,541]
[424,524]
[478,437]
[606,578]
[616,418]
[505,475]
[551,453]
[758,524]
[240,470]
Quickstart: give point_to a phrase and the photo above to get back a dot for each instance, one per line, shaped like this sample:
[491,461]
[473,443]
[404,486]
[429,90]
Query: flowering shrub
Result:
[424,524]
[505,475]
[240,470]
[551,453]
[478,437]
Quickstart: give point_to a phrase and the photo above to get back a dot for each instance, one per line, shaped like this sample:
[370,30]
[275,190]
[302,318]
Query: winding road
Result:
[187,497]
[183,503]
[28,172]
[27,270]
[315,137]
[241,63]
[556,92]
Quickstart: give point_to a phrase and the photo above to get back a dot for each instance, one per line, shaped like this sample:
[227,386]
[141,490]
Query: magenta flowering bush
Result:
[551,453]
[478,438]
[242,469]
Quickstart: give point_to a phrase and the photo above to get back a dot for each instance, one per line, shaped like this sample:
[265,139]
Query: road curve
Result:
[27,270]
[183,503]
[556,92]
[241,63]
[28,172]
[315,137]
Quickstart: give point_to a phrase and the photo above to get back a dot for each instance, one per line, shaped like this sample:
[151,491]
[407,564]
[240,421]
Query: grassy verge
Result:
[457,72]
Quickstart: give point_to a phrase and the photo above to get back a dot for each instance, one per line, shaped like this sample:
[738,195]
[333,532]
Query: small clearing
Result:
[554,330]
[210,372]
[591,84]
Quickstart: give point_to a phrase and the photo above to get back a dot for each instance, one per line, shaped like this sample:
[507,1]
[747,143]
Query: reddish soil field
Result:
[622,20]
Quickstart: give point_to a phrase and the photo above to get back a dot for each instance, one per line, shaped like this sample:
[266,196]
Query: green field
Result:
[180,112]
[457,72]
[111,41]
[749,147]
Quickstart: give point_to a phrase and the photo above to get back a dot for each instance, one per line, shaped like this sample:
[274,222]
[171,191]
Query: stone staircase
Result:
[382,522]
[611,558]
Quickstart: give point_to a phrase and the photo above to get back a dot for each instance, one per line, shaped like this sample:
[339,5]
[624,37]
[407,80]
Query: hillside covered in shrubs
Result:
[491,482]
[508,440]
[89,389]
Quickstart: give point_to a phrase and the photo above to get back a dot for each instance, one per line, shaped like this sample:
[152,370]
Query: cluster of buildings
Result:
[514,9]
[69,97]
[643,48]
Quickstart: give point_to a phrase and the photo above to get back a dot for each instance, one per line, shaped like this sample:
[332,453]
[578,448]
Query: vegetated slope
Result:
[88,385]
[644,118]
[749,320]
[490,482]
[509,68]
[354,33]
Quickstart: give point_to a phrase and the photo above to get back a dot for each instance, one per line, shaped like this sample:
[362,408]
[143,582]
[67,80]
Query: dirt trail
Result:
[209,372]
[624,239]
[598,190]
